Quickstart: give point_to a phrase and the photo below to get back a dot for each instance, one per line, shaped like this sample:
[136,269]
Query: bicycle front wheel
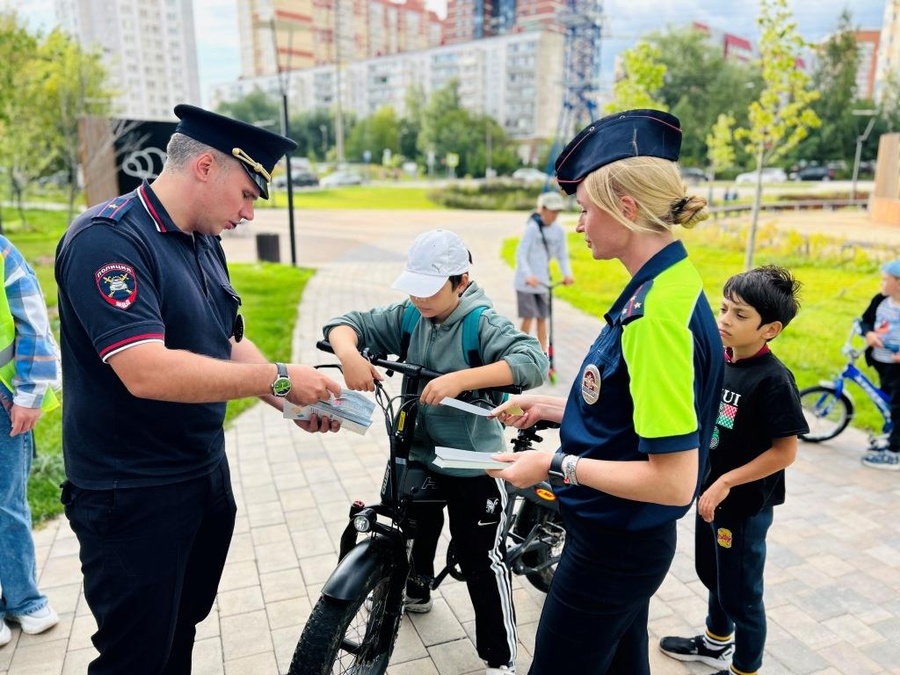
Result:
[353,636]
[827,412]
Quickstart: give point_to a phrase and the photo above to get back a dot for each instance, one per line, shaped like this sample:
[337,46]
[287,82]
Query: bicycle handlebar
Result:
[410,369]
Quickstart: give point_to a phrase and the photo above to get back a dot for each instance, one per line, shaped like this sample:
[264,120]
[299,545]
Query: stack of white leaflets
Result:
[352,409]
[454,458]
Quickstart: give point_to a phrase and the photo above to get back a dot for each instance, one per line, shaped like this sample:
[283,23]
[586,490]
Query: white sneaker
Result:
[502,670]
[5,633]
[37,621]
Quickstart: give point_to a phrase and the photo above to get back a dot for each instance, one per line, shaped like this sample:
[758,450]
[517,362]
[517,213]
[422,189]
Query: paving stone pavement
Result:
[833,570]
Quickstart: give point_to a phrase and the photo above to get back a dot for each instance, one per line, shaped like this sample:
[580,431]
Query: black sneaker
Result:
[417,598]
[695,649]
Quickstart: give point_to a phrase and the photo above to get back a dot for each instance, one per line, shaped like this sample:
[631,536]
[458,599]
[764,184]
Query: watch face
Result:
[281,386]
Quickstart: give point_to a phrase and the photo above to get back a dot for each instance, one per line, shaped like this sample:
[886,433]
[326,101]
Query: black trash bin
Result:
[267,248]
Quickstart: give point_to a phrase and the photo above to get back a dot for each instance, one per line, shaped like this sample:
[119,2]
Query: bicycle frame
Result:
[880,399]
[403,484]
[539,494]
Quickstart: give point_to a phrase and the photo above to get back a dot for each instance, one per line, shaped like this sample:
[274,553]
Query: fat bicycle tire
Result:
[549,544]
[827,412]
[353,636]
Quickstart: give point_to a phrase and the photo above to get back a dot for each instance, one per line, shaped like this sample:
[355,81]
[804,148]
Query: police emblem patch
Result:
[117,284]
[590,384]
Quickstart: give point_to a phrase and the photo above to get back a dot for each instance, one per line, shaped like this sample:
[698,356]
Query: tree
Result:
[835,79]
[782,117]
[445,125]
[50,83]
[258,107]
[720,142]
[700,84]
[374,135]
[73,86]
[642,81]
[19,100]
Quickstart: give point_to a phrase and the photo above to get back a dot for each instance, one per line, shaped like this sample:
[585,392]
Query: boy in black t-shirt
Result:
[755,439]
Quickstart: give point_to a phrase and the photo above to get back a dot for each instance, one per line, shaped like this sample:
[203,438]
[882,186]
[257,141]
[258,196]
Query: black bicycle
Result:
[354,624]
[534,532]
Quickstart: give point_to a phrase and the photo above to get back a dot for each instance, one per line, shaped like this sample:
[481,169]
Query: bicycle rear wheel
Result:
[549,538]
[827,412]
[353,636]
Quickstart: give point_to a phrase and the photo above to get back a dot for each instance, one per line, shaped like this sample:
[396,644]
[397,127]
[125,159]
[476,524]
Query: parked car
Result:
[339,178]
[529,174]
[770,174]
[813,173]
[298,179]
[693,175]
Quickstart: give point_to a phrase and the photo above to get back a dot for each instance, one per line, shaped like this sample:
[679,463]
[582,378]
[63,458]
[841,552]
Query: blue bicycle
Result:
[829,407]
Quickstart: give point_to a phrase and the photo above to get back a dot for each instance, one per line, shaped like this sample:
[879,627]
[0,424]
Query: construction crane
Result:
[583,23]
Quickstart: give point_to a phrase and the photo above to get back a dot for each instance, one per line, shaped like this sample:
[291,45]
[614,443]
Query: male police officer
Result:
[151,349]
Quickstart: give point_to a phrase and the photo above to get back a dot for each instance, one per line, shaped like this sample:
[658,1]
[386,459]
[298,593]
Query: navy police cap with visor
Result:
[256,149]
[632,133]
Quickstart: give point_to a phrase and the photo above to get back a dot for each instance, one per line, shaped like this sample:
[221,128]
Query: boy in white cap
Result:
[880,326]
[543,240]
[439,287]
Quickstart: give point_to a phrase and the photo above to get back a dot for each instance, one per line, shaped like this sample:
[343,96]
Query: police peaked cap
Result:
[632,133]
[256,149]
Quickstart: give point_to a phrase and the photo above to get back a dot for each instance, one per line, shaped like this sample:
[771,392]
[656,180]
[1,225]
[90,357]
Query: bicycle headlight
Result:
[362,522]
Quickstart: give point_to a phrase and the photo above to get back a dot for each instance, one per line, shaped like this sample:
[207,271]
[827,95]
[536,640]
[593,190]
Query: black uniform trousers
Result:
[477,519]
[152,558]
[594,620]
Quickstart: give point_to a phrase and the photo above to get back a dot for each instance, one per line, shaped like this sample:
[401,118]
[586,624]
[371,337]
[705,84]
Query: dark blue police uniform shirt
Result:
[127,275]
[605,429]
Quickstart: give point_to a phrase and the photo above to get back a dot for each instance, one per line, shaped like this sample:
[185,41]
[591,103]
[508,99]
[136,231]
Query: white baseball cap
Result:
[434,257]
[552,201]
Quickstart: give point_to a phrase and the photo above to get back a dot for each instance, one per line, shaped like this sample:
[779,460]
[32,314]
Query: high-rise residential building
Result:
[302,32]
[477,19]
[888,65]
[148,48]
[517,79]
[867,43]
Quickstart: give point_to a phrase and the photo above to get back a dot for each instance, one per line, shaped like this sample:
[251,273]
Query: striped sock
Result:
[716,642]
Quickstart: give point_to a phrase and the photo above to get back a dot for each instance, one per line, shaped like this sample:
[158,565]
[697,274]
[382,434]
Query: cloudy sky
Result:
[626,20]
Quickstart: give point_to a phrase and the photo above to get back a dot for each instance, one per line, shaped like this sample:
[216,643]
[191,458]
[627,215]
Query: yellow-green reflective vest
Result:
[8,347]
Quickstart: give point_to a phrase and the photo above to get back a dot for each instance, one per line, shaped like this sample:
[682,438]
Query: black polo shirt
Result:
[127,275]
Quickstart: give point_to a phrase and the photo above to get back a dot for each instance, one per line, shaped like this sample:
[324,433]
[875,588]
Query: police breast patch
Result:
[117,284]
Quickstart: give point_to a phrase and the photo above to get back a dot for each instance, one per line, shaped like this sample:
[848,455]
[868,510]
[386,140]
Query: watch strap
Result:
[556,475]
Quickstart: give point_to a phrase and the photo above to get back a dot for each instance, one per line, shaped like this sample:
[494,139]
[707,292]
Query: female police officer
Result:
[638,419]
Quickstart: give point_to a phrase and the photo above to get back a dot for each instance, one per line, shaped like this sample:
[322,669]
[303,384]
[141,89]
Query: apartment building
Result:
[516,78]
[284,35]
[148,48]
[888,66]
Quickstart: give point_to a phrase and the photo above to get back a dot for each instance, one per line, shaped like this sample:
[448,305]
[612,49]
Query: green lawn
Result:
[355,197]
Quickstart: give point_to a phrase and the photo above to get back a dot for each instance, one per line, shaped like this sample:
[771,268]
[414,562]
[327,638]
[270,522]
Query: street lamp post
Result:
[283,75]
[339,109]
[859,143]
[324,129]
